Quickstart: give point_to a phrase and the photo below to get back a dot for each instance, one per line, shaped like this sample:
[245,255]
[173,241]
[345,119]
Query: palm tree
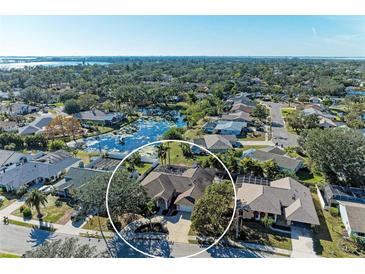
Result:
[161,152]
[35,199]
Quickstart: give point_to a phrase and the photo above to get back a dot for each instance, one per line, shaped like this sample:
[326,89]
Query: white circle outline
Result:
[161,142]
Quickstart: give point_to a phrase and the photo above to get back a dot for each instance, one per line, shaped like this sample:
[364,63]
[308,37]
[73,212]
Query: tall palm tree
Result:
[161,153]
[35,199]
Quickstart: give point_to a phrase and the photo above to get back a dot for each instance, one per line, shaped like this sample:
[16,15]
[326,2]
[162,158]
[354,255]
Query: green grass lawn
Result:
[306,176]
[250,147]
[93,224]
[19,223]
[143,167]
[177,157]
[51,212]
[8,255]
[260,137]
[286,111]
[85,156]
[328,237]
[104,130]
[255,232]
[58,104]
[6,202]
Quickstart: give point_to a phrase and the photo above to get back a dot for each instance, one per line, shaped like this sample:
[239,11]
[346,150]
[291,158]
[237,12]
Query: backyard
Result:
[328,237]
[143,167]
[54,212]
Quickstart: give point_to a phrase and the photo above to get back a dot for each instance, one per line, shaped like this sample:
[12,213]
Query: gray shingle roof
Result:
[356,216]
[287,194]
[281,160]
[188,186]
[214,141]
[76,177]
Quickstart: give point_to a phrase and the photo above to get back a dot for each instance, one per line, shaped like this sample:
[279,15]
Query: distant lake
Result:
[22,65]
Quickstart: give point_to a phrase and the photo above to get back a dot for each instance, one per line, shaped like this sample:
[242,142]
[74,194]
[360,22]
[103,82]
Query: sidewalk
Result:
[261,248]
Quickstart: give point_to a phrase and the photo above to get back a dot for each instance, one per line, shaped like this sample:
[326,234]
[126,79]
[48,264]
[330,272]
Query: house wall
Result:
[321,200]
[345,218]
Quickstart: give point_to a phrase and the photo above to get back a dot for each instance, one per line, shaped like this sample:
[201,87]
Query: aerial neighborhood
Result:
[290,132]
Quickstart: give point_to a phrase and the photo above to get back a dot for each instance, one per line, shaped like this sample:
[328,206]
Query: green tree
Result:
[248,166]
[270,169]
[212,212]
[339,153]
[36,199]
[126,195]
[72,106]
[260,112]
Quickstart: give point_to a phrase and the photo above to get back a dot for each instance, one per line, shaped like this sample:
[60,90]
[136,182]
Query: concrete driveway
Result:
[178,227]
[302,242]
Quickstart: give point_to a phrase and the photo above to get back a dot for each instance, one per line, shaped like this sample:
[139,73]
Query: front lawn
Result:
[8,255]
[52,212]
[328,237]
[287,111]
[249,147]
[93,223]
[6,202]
[251,137]
[29,225]
[255,232]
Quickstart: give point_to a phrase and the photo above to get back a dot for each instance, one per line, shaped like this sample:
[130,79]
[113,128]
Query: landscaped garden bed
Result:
[53,212]
[255,232]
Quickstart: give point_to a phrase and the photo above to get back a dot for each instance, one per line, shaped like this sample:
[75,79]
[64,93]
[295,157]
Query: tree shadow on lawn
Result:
[39,236]
[320,232]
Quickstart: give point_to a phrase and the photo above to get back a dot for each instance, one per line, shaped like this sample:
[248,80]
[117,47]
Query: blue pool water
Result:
[148,131]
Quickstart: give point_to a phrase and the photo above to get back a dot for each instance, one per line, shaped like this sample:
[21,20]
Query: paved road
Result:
[302,242]
[280,135]
[17,240]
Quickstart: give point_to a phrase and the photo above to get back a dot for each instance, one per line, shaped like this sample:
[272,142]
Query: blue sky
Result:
[183,35]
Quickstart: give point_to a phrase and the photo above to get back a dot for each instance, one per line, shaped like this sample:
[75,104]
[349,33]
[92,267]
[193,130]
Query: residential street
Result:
[17,240]
[280,135]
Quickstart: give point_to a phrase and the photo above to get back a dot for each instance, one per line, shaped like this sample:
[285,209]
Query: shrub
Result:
[21,209]
[334,211]
[21,191]
[27,213]
[58,203]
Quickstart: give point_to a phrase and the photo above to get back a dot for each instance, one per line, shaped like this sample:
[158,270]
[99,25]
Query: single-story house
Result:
[209,127]
[99,117]
[315,100]
[42,167]
[242,107]
[239,116]
[285,200]
[332,195]
[242,98]
[75,178]
[9,158]
[229,128]
[37,126]
[312,110]
[214,143]
[284,162]
[326,123]
[178,189]
[353,218]
[17,109]
[8,126]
